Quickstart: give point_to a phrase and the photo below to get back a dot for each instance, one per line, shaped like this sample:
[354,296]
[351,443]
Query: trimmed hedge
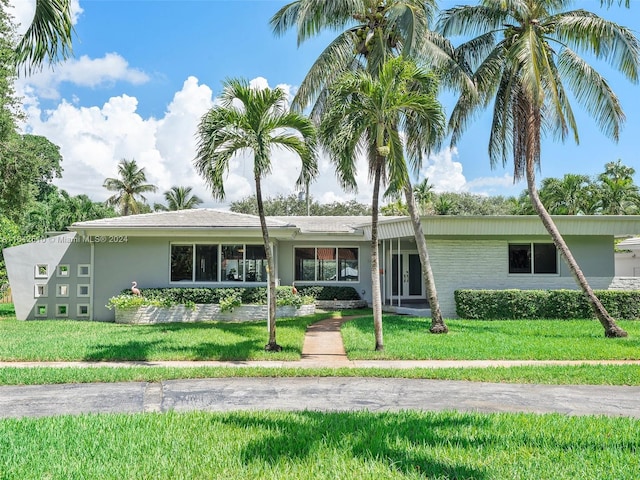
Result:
[543,304]
[247,296]
[329,292]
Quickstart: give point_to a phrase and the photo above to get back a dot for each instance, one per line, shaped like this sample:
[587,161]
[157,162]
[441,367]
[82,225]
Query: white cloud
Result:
[85,72]
[93,139]
[444,173]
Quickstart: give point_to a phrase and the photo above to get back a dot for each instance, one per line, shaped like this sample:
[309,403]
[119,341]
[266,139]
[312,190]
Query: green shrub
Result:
[329,292]
[226,297]
[542,304]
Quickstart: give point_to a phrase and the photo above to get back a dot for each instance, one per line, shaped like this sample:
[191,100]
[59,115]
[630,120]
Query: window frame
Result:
[220,270]
[532,263]
[316,267]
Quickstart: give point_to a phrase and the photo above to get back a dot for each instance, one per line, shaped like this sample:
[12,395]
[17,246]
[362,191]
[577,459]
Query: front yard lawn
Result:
[314,445]
[408,338]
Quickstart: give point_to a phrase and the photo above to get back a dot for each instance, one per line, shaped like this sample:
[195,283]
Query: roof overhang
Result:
[275,233]
[460,226]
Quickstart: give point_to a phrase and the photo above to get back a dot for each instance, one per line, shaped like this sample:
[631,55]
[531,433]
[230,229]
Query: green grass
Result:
[7,310]
[312,445]
[409,338]
[96,341]
[550,375]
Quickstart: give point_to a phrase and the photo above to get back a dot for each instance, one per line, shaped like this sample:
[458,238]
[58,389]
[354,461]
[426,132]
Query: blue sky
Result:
[144,72]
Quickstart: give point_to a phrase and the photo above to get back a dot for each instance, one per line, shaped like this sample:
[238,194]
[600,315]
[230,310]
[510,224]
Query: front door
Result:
[406,276]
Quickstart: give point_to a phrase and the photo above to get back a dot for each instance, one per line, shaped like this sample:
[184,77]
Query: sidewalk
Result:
[322,348]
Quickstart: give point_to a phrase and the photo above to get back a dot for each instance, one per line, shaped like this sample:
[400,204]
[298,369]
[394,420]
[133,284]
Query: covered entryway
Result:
[406,276]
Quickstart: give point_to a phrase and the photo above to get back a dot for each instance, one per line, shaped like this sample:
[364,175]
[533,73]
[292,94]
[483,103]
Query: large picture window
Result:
[536,258]
[218,263]
[326,264]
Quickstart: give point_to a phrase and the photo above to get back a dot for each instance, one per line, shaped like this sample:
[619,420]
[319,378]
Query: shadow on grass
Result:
[401,442]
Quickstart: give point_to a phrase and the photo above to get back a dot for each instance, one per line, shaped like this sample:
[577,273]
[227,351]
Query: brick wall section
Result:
[340,304]
[203,313]
[483,264]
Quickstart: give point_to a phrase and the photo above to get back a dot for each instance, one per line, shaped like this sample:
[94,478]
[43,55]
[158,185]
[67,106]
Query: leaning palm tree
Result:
[129,187]
[524,57]
[366,112]
[254,121]
[179,198]
[49,35]
[374,31]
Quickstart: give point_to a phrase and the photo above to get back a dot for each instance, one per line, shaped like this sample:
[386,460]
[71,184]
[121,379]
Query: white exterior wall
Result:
[628,264]
[483,264]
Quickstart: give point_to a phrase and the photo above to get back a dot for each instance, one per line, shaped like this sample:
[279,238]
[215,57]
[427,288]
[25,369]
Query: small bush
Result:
[329,292]
[542,304]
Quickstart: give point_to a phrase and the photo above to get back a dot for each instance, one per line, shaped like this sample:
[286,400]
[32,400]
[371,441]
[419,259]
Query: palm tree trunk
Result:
[272,346]
[437,323]
[611,328]
[376,299]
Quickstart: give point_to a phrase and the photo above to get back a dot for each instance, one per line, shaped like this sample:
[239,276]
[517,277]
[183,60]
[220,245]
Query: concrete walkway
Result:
[323,347]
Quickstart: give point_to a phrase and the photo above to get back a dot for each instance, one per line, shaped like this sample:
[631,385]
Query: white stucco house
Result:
[73,274]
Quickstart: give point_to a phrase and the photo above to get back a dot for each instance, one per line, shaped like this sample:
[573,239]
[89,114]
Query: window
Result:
[256,263]
[206,263]
[83,290]
[41,310]
[62,271]
[233,262]
[181,263]
[84,270]
[218,263]
[82,310]
[325,264]
[536,258]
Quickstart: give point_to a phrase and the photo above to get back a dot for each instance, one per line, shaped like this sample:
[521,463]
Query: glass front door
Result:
[406,275]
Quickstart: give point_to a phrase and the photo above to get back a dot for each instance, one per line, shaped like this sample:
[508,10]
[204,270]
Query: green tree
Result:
[364,110]
[423,192]
[129,187]
[566,196]
[374,31]
[293,205]
[253,121]
[179,198]
[619,195]
[28,165]
[524,55]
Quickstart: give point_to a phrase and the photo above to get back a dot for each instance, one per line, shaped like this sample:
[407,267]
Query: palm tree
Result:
[365,112]
[374,31]
[48,36]
[423,192]
[129,186]
[179,198]
[566,196]
[524,55]
[619,195]
[256,121]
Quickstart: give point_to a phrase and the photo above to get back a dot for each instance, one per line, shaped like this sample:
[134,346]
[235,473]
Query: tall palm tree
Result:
[49,35]
[254,121]
[423,192]
[365,112]
[374,31]
[129,187]
[524,56]
[179,198]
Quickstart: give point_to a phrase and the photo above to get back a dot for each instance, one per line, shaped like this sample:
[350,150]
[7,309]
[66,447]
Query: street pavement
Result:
[322,348]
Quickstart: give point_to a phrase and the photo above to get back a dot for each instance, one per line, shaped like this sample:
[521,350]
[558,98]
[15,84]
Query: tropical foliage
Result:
[524,58]
[129,187]
[254,122]
[178,198]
